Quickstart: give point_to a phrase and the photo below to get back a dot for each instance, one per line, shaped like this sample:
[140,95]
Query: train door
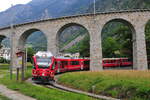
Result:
[58,66]
[82,65]
[64,65]
[54,68]
[61,66]
[118,62]
[86,64]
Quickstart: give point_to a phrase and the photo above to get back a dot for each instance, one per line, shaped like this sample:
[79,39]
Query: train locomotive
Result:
[43,63]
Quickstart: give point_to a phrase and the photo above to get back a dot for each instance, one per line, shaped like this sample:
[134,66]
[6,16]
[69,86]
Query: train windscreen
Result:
[43,62]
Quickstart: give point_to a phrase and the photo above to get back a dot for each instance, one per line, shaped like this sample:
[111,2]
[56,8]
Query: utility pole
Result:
[94,7]
[12,43]
[26,50]
[17,74]
[26,53]
[94,11]
[23,65]
[12,50]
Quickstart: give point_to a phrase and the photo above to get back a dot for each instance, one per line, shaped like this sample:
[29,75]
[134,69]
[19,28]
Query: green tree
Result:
[30,53]
[83,47]
[147,37]
[110,47]
[124,37]
[117,40]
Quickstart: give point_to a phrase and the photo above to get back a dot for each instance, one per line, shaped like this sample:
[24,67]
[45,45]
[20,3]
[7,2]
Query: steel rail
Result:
[54,85]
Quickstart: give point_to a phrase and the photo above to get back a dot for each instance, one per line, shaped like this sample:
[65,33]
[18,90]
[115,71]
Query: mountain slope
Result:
[35,10]
[38,9]
[115,5]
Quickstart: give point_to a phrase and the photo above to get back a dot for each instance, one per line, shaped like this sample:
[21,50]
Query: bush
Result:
[3,60]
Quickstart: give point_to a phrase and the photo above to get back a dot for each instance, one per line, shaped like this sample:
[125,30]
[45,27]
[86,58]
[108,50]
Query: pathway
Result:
[13,95]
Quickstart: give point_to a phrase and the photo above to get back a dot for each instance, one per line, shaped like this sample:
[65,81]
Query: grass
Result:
[39,92]
[3,97]
[130,85]
[3,70]
[4,67]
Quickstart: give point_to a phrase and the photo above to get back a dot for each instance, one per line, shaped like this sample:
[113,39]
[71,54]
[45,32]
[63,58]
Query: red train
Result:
[116,62]
[46,65]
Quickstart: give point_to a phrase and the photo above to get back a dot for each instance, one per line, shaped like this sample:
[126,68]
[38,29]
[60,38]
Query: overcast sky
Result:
[5,4]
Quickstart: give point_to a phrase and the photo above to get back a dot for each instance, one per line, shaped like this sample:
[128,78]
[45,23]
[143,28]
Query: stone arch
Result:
[3,37]
[147,33]
[63,27]
[133,32]
[124,21]
[22,39]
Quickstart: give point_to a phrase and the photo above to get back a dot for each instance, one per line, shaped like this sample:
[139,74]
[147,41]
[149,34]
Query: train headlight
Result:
[42,74]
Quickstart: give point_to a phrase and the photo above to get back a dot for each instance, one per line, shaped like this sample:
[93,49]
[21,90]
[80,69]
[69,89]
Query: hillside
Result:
[115,5]
[40,9]
[35,10]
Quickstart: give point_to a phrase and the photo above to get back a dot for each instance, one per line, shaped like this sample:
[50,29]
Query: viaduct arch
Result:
[94,24]
[25,35]
[65,27]
[133,33]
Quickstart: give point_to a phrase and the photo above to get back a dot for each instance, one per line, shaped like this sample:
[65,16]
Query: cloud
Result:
[5,4]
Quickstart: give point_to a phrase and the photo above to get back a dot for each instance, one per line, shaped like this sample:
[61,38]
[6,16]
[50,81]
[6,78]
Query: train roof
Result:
[44,53]
[114,58]
[68,58]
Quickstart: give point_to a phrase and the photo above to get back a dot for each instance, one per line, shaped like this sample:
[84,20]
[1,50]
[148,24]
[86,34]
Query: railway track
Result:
[54,85]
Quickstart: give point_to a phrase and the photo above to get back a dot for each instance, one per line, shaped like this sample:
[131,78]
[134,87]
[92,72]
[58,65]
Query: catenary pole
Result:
[94,7]
[11,65]
[11,34]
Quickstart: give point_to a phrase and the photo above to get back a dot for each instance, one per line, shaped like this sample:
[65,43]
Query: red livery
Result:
[116,62]
[43,66]
[67,64]
[46,65]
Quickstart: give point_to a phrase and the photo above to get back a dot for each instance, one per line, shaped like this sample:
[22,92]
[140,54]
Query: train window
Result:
[65,63]
[109,61]
[86,62]
[44,61]
[33,67]
[74,62]
[124,60]
[34,63]
[53,66]
[55,62]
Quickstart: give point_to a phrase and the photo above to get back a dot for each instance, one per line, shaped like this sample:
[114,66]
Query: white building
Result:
[5,53]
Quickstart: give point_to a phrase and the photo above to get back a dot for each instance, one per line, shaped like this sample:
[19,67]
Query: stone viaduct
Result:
[94,24]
